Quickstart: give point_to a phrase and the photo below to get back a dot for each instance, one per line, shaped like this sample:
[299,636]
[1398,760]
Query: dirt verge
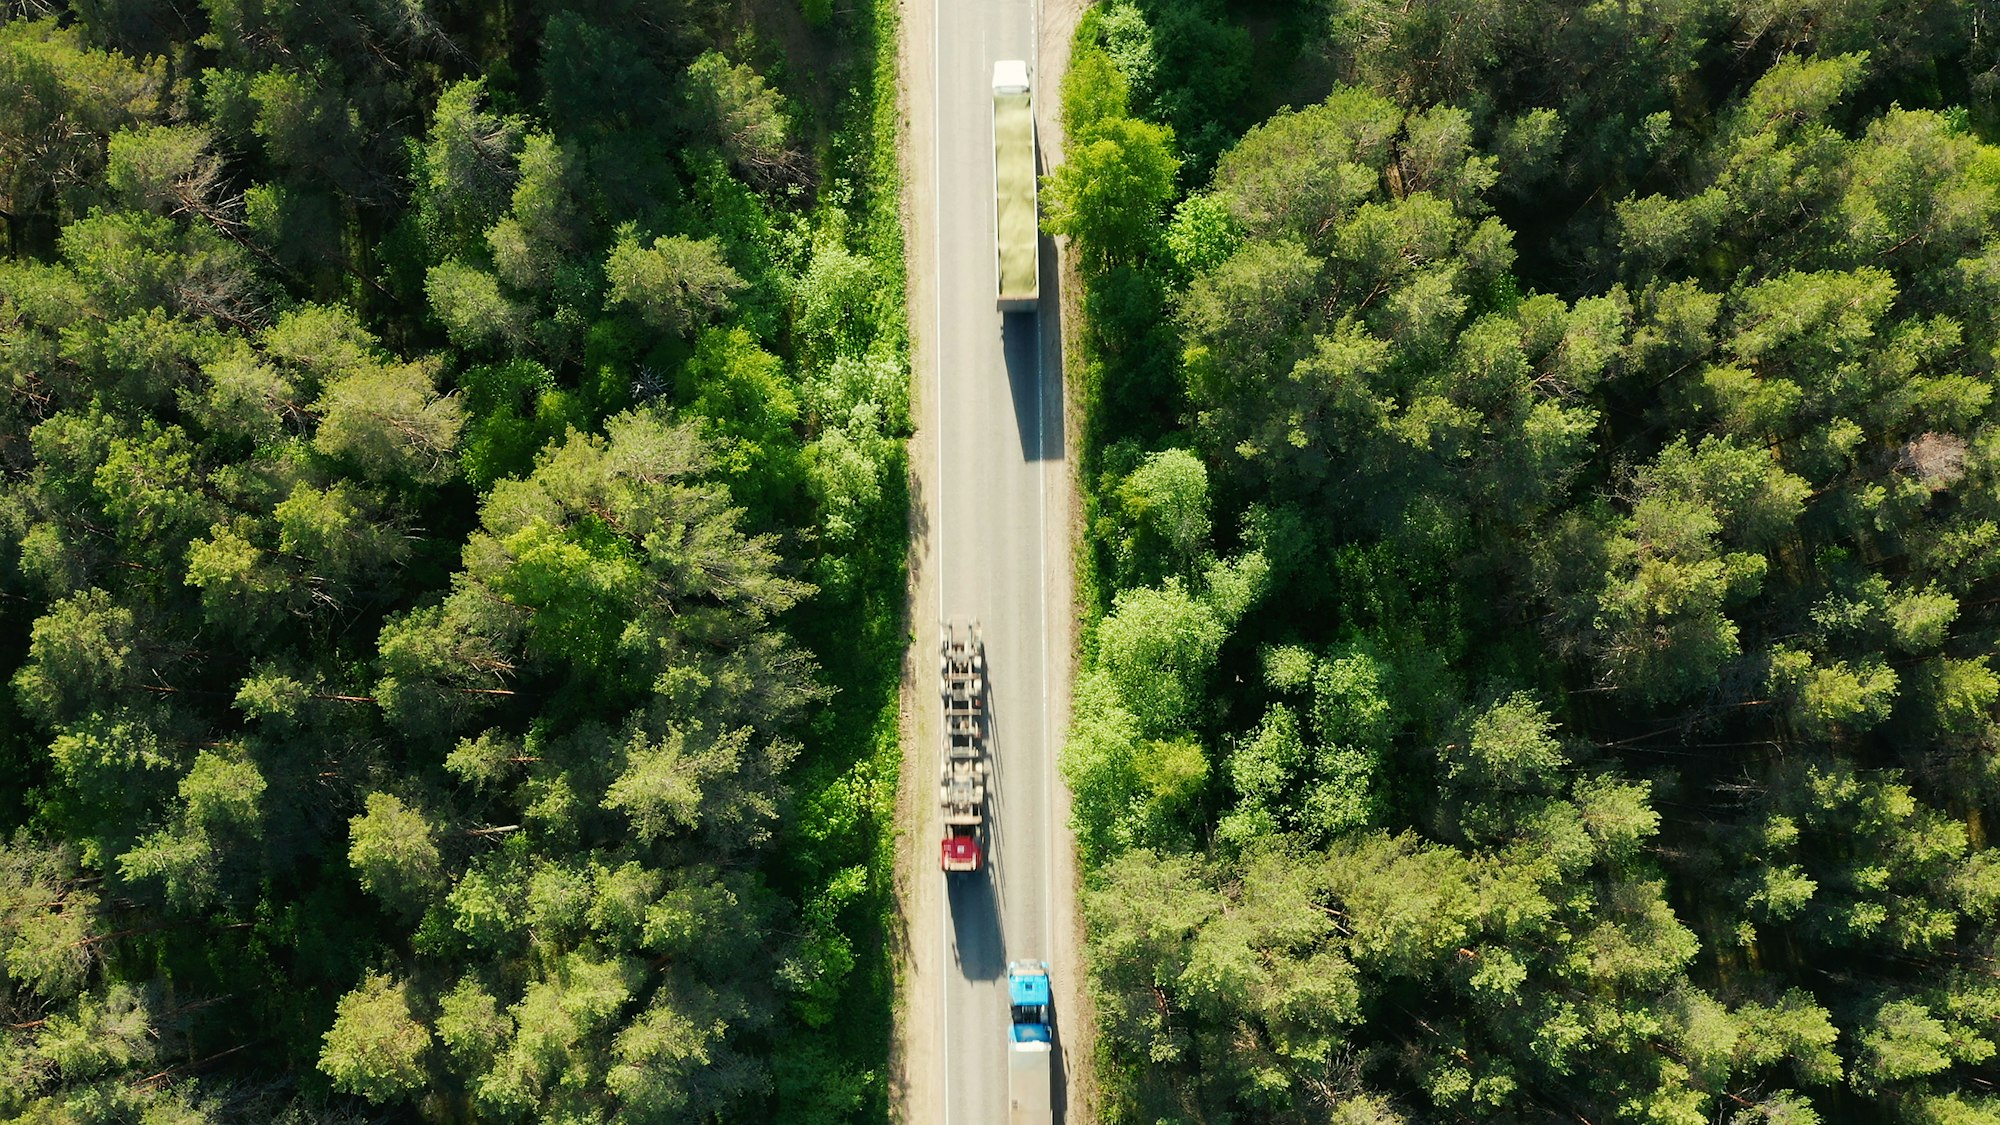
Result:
[915,1062]
[1056,22]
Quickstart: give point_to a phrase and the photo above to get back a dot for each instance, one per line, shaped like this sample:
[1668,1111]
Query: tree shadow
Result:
[919,524]
[1058,1070]
[1054,440]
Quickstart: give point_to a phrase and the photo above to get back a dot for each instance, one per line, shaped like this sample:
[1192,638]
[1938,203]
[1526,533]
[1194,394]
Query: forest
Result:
[1542,578]
[452,560]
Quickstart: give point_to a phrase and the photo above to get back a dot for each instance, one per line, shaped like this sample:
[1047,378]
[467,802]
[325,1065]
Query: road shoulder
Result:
[1055,25]
[915,1062]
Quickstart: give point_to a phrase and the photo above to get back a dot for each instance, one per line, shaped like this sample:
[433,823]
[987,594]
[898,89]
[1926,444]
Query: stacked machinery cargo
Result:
[962,778]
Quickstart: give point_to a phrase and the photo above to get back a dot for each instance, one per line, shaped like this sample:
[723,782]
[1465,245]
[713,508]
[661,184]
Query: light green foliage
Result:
[1171,774]
[1112,190]
[1158,645]
[336,531]
[1839,698]
[1144,910]
[1953,1109]
[1617,814]
[376,1048]
[1097,762]
[475,312]
[1526,146]
[46,919]
[146,484]
[1855,857]
[1162,513]
[102,1035]
[1755,501]
[1202,234]
[1666,632]
[603,540]
[1903,1040]
[245,397]
[488,904]
[554,1023]
[820,964]
[1285,783]
[319,342]
[66,97]
[845,476]
[1406,902]
[113,760]
[674,1061]
[1795,1028]
[393,849]
[832,296]
[1509,747]
[270,693]
[389,421]
[1437,157]
[621,898]
[1299,173]
[300,120]
[440,665]
[1959,695]
[677,283]
[467,166]
[747,408]
[223,790]
[79,654]
[543,227]
[181,859]
[240,588]
[1094,90]
[750,119]
[660,788]
[471,1025]
[161,167]
[1833,699]
[513,411]
[484,760]
[129,261]
[1921,619]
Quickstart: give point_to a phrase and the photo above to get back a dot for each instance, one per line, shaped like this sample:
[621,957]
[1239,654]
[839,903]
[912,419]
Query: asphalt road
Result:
[999,436]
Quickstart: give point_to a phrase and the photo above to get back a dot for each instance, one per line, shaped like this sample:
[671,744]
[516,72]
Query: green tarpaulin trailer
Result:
[1014,214]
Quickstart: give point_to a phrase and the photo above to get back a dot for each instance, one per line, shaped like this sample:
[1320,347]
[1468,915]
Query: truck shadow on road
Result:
[975,923]
[978,943]
[1032,349]
[1021,350]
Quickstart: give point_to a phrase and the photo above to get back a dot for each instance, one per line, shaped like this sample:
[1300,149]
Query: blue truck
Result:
[1030,1044]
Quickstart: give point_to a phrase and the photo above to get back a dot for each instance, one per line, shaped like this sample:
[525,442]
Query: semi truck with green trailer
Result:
[1016,225]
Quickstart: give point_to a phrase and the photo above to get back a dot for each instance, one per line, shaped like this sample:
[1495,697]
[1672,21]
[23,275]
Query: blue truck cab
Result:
[1028,998]
[1030,1049]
